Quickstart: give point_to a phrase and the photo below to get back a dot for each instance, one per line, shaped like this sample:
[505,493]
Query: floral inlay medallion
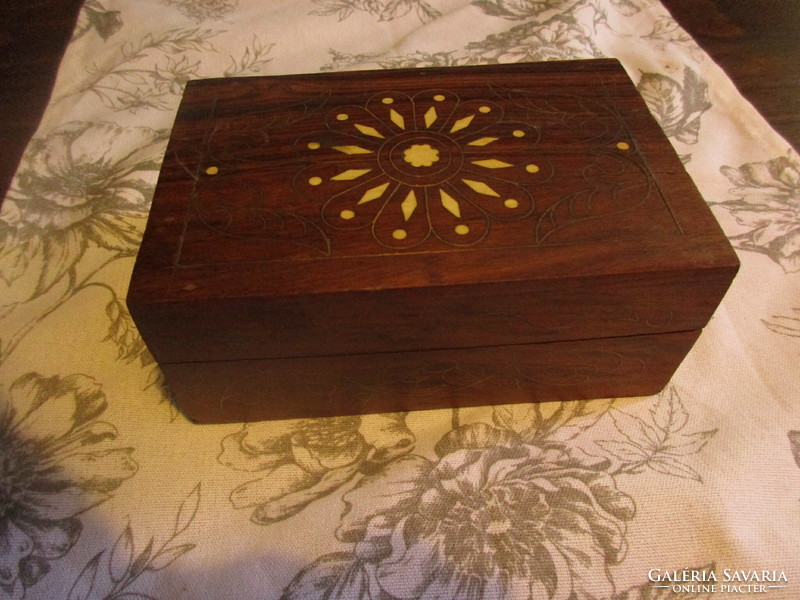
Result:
[415,167]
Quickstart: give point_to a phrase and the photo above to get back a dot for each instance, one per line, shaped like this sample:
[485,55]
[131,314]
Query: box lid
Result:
[372,211]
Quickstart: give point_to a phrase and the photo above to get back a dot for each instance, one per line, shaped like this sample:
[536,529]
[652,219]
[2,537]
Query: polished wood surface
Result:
[376,211]
[234,391]
[315,233]
[755,41]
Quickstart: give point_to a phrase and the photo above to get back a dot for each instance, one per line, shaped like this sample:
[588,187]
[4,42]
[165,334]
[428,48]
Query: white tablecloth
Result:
[107,492]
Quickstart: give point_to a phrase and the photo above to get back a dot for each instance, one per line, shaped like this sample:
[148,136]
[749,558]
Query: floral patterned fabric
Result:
[106,492]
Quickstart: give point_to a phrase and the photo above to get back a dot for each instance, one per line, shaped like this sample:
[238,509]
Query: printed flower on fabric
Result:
[55,463]
[492,518]
[421,167]
[766,202]
[301,460]
[562,38]
[84,183]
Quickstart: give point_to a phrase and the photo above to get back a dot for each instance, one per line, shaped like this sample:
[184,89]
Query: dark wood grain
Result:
[233,391]
[307,218]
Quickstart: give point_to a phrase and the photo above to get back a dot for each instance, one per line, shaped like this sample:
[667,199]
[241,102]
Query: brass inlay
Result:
[409,205]
[367,130]
[397,119]
[421,155]
[430,117]
[450,204]
[484,141]
[373,193]
[480,187]
[350,174]
[462,123]
[623,145]
[352,150]
[492,163]
[404,150]
[212,170]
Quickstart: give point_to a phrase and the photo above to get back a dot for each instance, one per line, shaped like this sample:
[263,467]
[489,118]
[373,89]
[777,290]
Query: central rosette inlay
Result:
[412,169]
[421,155]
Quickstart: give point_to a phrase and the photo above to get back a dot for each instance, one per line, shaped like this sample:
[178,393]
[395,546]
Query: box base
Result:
[257,390]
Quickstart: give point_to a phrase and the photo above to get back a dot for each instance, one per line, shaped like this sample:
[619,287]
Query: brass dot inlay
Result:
[342,117]
[212,170]
[439,97]
[511,203]
[347,214]
[313,145]
[388,100]
[461,229]
[315,180]
[485,109]
[532,168]
[623,145]
[399,234]
[518,133]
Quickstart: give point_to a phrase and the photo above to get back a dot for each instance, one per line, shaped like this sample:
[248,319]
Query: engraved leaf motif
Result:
[615,184]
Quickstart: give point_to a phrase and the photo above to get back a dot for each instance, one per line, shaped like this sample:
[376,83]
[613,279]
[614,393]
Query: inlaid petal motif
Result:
[412,169]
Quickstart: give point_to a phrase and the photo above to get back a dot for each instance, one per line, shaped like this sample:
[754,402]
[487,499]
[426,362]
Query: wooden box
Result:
[376,241]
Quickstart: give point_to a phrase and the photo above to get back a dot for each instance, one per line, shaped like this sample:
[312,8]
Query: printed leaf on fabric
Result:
[124,570]
[204,10]
[660,445]
[794,442]
[785,324]
[678,107]
[765,201]
[385,10]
